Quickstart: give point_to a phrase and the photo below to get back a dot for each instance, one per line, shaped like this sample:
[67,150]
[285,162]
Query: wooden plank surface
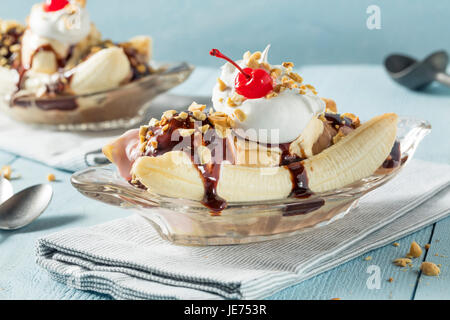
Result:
[439,253]
[21,277]
[6,158]
[348,281]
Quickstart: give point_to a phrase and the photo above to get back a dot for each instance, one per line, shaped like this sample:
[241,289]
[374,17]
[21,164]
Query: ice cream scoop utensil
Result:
[417,75]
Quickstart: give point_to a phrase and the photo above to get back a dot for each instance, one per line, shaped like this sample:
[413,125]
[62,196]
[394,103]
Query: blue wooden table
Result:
[20,278]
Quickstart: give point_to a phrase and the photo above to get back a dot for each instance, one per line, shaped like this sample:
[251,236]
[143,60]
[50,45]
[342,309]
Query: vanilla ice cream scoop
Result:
[68,26]
[52,34]
[281,115]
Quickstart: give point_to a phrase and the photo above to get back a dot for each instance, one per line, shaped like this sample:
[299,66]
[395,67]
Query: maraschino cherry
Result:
[55,5]
[250,83]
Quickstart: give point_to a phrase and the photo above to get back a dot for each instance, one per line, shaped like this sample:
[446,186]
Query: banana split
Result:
[270,136]
[61,54]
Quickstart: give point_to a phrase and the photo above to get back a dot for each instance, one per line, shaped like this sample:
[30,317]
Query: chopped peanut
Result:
[222,85]
[196,107]
[240,115]
[402,262]
[430,269]
[6,172]
[186,132]
[415,251]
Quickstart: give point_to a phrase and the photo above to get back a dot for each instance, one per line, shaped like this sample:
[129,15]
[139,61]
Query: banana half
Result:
[354,157]
[105,70]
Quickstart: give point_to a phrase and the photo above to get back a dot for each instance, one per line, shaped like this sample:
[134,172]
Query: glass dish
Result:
[121,107]
[188,222]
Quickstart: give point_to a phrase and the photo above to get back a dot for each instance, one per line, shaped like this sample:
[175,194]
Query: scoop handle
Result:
[443,78]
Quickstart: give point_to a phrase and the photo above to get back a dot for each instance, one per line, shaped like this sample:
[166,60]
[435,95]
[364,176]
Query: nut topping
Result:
[196,107]
[186,132]
[430,269]
[402,262]
[240,115]
[415,251]
[222,85]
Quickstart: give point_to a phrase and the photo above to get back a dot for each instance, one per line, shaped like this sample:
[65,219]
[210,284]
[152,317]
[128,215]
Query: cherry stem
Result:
[218,54]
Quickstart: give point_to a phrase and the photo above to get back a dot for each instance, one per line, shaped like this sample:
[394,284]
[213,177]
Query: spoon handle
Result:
[443,78]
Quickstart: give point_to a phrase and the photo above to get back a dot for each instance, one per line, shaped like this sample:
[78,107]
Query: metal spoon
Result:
[417,75]
[6,190]
[25,207]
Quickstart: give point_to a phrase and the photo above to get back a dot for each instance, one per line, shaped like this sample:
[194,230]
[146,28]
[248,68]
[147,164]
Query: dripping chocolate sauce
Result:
[57,88]
[395,157]
[299,178]
[170,140]
[337,121]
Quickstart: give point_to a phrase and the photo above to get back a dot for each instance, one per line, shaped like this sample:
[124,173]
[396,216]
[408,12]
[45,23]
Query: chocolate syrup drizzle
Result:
[294,164]
[394,160]
[338,121]
[220,148]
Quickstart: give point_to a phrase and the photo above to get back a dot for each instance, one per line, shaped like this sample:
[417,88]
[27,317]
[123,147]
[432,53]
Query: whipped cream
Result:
[68,26]
[280,119]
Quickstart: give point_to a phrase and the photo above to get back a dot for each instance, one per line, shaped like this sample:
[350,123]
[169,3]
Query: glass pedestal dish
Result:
[121,107]
[188,222]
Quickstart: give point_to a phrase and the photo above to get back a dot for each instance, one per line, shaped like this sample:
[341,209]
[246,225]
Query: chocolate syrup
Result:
[286,157]
[394,160]
[293,163]
[170,140]
[338,121]
[297,209]
[139,67]
[61,62]
[66,103]
[210,174]
[58,88]
[300,188]
[299,178]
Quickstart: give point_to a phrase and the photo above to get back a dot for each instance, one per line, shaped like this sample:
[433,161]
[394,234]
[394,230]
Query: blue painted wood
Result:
[439,253]
[348,281]
[20,277]
[6,158]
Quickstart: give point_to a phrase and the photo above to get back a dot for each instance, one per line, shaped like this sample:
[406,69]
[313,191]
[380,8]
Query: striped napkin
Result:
[127,259]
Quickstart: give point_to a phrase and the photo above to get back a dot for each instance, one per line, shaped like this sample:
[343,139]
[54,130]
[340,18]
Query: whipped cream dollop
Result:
[69,25]
[280,117]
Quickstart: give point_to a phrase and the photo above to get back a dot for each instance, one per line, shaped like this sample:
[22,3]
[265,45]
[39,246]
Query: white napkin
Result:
[128,260]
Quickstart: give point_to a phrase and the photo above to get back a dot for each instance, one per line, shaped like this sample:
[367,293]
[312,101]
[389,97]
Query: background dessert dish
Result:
[215,156]
[52,68]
